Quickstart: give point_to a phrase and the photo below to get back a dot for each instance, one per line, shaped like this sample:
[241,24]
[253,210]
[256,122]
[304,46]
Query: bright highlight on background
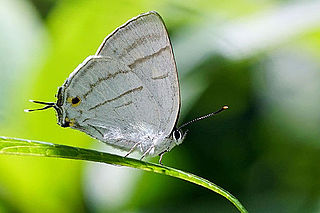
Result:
[259,58]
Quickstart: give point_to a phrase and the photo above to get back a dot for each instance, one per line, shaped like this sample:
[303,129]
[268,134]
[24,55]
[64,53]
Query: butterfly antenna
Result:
[48,105]
[203,117]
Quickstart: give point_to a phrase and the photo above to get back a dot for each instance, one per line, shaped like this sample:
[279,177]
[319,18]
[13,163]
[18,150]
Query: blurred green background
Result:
[261,58]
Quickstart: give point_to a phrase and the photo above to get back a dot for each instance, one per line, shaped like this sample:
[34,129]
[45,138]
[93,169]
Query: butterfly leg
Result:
[146,152]
[132,149]
[161,155]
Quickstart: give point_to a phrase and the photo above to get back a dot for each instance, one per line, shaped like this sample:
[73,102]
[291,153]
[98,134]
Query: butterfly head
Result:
[61,114]
[178,135]
[67,107]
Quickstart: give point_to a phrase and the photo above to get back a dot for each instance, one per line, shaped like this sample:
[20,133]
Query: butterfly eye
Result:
[75,101]
[177,135]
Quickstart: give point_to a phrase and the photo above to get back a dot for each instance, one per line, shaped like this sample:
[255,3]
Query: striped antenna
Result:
[48,105]
[203,117]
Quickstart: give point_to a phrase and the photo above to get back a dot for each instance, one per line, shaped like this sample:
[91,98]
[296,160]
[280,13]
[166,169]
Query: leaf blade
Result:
[16,146]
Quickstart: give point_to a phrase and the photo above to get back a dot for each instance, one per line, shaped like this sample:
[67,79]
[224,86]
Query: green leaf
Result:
[15,146]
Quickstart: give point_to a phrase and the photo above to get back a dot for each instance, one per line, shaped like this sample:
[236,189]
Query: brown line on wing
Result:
[116,98]
[141,60]
[160,77]
[100,80]
[125,104]
[96,129]
[142,40]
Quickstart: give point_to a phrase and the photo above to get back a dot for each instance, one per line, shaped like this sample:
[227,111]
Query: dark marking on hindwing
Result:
[96,129]
[125,104]
[116,98]
[86,119]
[75,100]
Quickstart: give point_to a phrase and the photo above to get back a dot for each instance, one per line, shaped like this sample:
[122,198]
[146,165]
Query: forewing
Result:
[143,45]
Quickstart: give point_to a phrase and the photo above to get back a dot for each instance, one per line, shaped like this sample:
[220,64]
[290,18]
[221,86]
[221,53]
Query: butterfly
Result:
[127,95]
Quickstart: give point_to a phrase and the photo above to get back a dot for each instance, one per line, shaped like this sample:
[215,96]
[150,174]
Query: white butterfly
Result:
[127,95]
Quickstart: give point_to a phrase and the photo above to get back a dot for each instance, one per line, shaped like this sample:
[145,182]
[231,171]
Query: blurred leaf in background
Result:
[258,57]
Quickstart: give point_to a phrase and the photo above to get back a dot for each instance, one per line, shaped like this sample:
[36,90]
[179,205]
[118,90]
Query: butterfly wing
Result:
[143,45]
[129,90]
